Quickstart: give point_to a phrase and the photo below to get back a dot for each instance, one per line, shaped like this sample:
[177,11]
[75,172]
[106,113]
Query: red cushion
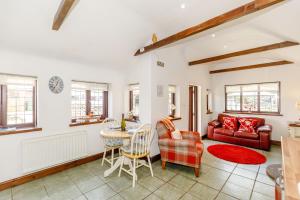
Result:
[243,134]
[230,123]
[224,131]
[248,125]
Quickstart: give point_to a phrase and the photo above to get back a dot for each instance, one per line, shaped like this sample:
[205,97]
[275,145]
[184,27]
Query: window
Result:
[255,98]
[89,101]
[172,100]
[18,100]
[134,99]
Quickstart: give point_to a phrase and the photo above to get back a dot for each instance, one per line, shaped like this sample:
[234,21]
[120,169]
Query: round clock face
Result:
[56,84]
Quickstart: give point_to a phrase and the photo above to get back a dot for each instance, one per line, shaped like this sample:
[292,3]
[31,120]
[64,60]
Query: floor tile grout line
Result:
[226,182]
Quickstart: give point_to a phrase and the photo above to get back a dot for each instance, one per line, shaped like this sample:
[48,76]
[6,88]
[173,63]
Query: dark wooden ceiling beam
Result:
[239,12]
[245,52]
[62,12]
[271,64]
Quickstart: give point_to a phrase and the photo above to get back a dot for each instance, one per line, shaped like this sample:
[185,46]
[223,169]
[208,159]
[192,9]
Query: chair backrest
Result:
[141,140]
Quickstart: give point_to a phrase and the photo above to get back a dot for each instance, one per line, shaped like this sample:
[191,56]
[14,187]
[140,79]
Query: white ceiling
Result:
[108,33]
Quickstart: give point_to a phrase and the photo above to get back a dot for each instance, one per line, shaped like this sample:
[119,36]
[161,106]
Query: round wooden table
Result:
[117,134]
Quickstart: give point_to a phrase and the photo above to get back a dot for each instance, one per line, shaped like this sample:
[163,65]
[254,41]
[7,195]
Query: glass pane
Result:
[233,95]
[78,103]
[135,102]
[269,97]
[250,98]
[97,102]
[19,104]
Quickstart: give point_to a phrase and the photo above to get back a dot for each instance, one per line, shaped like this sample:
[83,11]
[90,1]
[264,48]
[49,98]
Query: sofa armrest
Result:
[266,128]
[190,135]
[215,123]
[265,136]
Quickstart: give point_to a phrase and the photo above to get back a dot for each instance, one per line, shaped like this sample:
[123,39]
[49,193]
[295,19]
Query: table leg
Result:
[117,164]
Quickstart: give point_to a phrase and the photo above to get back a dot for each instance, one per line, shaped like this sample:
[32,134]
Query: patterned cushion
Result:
[114,142]
[140,148]
[248,125]
[230,123]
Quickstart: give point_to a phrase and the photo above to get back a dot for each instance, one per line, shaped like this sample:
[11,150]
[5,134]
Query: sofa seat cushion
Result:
[224,131]
[247,135]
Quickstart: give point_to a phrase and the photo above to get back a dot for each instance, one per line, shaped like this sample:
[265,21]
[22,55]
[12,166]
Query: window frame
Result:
[131,98]
[3,108]
[240,111]
[173,101]
[88,95]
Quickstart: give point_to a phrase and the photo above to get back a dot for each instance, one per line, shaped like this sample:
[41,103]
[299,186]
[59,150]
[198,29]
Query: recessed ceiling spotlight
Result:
[225,46]
[213,35]
[183,6]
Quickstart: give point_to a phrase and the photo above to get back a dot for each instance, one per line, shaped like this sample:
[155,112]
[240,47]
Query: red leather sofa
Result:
[260,140]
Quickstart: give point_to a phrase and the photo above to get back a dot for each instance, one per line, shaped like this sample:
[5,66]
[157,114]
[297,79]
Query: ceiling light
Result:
[213,35]
[225,46]
[183,6]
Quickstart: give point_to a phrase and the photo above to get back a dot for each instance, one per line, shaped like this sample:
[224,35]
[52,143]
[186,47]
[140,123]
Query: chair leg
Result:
[196,170]
[112,157]
[133,173]
[150,165]
[104,154]
[163,164]
[121,166]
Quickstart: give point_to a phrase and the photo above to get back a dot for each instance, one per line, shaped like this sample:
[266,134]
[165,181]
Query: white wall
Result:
[54,111]
[289,77]
[176,72]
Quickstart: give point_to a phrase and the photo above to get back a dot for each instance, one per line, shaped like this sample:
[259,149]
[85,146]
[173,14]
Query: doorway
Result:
[194,93]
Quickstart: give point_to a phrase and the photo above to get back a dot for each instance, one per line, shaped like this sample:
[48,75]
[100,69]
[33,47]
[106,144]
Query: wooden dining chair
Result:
[138,148]
[111,144]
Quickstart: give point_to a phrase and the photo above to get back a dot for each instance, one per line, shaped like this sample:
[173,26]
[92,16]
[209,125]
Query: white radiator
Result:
[44,152]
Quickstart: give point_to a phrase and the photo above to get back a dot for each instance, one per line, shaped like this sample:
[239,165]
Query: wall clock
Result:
[56,84]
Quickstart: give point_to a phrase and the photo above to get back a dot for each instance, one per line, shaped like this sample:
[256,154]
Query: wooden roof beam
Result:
[237,13]
[245,52]
[263,65]
[62,12]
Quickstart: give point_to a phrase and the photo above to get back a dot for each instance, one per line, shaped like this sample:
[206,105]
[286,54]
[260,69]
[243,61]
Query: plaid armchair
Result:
[187,151]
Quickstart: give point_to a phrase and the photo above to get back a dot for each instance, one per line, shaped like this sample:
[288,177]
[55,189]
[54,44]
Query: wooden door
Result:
[193,108]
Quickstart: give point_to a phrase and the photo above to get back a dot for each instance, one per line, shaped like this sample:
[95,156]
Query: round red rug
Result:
[236,154]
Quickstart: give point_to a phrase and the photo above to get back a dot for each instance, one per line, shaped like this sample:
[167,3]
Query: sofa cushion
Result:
[260,121]
[224,131]
[248,125]
[243,134]
[230,123]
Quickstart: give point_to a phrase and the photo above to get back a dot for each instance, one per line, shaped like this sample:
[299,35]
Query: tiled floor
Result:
[219,180]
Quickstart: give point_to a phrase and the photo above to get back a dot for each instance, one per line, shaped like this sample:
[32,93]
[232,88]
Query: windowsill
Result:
[253,113]
[85,123]
[175,118]
[20,131]
[209,112]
